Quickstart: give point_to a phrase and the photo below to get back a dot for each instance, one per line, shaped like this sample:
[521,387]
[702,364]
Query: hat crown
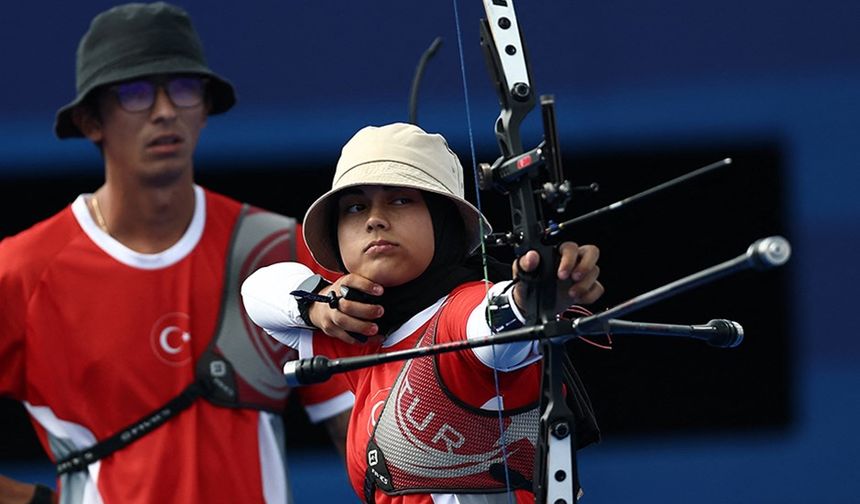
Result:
[424,159]
[129,35]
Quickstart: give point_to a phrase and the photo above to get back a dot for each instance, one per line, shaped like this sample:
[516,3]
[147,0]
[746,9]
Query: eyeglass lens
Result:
[184,92]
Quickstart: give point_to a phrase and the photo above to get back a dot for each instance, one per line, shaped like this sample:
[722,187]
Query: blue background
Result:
[627,74]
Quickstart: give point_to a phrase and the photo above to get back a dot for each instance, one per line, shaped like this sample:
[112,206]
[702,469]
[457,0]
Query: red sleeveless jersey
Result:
[93,336]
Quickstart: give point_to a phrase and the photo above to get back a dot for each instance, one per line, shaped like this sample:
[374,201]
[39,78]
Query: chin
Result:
[386,277]
[388,280]
[167,176]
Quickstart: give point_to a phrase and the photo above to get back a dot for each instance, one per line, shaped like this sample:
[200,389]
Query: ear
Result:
[88,123]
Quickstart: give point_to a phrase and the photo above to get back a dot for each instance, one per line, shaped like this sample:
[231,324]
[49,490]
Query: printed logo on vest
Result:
[417,420]
[377,469]
[217,368]
[170,339]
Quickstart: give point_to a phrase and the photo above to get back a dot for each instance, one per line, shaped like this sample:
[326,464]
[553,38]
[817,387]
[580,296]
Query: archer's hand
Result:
[351,316]
[577,275]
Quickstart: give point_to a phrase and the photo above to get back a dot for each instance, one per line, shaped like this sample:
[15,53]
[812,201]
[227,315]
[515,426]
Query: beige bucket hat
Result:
[396,154]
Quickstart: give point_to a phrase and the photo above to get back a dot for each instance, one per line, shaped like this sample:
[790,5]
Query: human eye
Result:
[186,91]
[350,206]
[401,198]
[135,95]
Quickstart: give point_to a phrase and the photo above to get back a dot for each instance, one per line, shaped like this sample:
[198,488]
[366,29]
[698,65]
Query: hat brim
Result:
[220,91]
[318,235]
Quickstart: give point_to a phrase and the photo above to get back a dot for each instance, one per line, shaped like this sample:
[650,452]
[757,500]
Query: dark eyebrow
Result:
[347,193]
[350,190]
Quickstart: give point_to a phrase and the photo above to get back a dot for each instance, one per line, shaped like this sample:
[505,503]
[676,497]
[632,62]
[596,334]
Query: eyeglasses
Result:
[139,95]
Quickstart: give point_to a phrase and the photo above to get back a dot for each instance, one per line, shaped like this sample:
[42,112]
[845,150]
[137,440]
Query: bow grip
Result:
[528,226]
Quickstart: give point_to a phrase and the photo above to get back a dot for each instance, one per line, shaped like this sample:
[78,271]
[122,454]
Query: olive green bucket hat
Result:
[135,40]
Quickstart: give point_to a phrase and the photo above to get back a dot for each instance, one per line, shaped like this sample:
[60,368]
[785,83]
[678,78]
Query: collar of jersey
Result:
[412,325]
[129,257]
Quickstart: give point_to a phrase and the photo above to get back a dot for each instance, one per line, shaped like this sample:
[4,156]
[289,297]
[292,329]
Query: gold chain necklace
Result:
[100,219]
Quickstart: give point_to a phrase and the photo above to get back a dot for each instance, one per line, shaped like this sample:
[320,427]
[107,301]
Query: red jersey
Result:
[471,381]
[94,336]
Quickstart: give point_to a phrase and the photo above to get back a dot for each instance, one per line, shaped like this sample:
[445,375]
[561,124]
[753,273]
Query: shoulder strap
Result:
[80,459]
[243,366]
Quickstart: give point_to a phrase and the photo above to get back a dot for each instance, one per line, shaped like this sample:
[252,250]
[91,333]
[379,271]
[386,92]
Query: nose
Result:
[376,218]
[163,108]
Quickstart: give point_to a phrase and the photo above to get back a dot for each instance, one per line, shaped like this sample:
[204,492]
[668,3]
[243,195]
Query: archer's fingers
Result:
[582,291]
[528,262]
[352,308]
[576,261]
[588,256]
[569,252]
[338,324]
[359,310]
[592,295]
[354,281]
[334,322]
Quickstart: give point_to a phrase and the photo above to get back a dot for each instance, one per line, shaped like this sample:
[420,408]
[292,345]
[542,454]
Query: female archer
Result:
[431,429]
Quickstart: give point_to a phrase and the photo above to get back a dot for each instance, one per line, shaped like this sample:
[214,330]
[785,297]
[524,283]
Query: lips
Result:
[379,246]
[163,140]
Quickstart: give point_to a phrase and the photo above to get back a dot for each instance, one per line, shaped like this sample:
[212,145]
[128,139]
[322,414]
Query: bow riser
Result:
[519,175]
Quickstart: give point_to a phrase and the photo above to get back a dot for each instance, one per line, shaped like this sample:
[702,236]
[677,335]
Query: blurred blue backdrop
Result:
[657,74]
